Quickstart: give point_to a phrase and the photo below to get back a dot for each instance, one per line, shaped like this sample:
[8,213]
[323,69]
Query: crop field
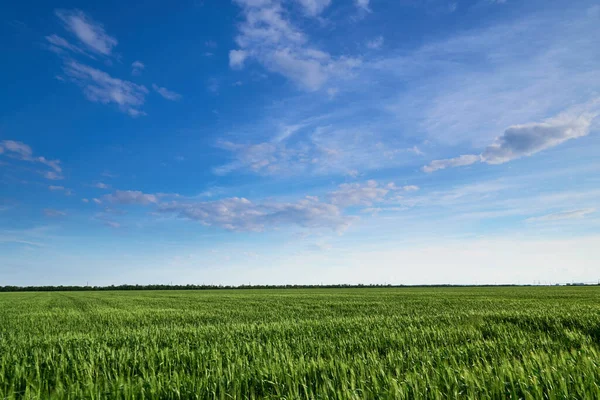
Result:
[389,343]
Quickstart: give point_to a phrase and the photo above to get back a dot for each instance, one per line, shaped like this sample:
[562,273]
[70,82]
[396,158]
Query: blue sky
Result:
[299,141]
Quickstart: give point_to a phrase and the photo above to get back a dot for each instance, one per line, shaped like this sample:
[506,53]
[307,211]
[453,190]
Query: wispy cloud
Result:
[376,43]
[108,174]
[56,188]
[167,94]
[460,161]
[21,151]
[131,197]
[269,37]
[237,58]
[317,148]
[89,32]
[524,140]
[573,214]
[240,214]
[60,45]
[98,86]
[112,224]
[101,185]
[363,5]
[357,194]
[137,67]
[314,7]
[410,188]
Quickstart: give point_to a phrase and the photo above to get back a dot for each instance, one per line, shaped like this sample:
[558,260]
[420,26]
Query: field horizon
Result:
[177,287]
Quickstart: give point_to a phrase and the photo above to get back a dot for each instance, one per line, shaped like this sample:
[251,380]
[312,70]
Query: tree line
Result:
[215,287]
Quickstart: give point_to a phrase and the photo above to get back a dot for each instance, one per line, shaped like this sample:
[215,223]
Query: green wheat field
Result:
[388,343]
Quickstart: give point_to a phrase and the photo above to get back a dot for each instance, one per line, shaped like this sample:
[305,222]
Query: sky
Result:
[299,142]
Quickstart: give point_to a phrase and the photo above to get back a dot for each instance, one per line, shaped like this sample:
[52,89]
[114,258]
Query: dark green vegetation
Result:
[434,343]
[214,287]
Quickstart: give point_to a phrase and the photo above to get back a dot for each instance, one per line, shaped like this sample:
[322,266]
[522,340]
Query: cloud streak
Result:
[166,93]
[240,214]
[524,140]
[137,67]
[100,87]
[127,197]
[89,32]
[565,215]
[21,151]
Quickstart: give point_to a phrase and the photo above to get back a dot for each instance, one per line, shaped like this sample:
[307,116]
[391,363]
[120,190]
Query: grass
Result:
[408,343]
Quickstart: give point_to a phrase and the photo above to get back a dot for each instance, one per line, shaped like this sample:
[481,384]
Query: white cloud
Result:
[108,174]
[89,32]
[131,197]
[53,176]
[101,185]
[240,214]
[264,158]
[56,188]
[135,113]
[237,58]
[525,140]
[460,161]
[363,5]
[97,201]
[59,45]
[314,7]
[85,200]
[21,151]
[287,131]
[275,157]
[410,188]
[137,67]
[112,224]
[54,164]
[269,37]
[573,214]
[98,86]
[167,94]
[316,149]
[357,194]
[376,43]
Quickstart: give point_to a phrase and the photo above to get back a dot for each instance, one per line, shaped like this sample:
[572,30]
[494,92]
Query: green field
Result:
[405,343]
